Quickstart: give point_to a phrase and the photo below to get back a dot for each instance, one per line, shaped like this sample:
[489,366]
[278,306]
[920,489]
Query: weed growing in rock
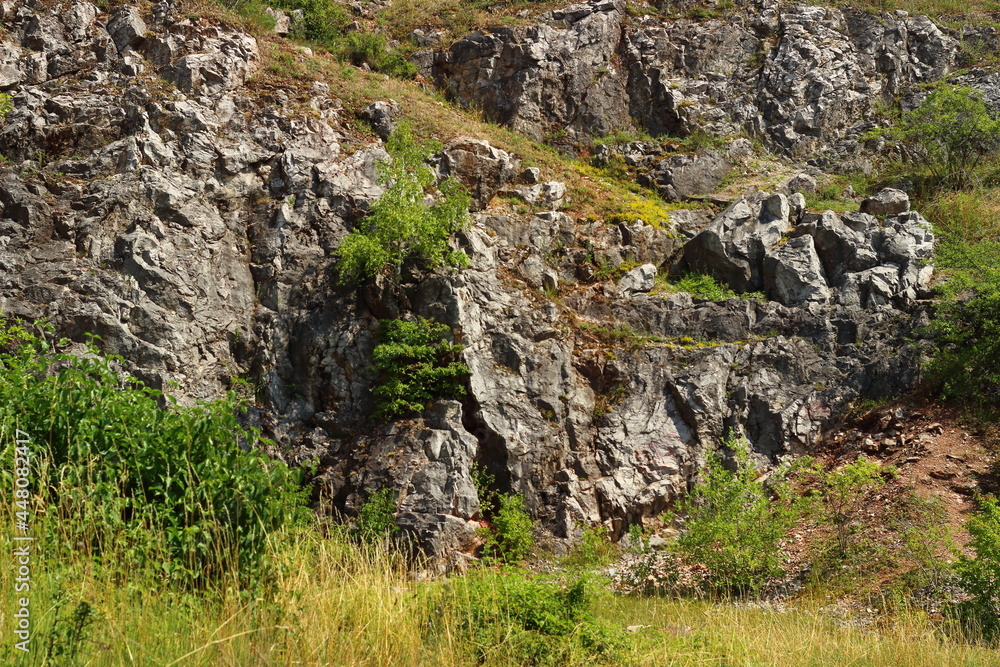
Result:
[377,516]
[416,365]
[402,224]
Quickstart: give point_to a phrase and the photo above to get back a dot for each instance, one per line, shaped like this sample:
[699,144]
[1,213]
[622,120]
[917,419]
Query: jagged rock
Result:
[282,21]
[886,202]
[546,194]
[640,279]
[127,28]
[196,231]
[382,117]
[803,183]
[545,77]
[480,167]
[531,176]
[732,247]
[681,176]
[793,274]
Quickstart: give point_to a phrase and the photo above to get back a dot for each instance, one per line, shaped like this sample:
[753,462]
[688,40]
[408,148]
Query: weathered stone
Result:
[480,167]
[127,28]
[886,202]
[793,274]
[382,117]
[640,279]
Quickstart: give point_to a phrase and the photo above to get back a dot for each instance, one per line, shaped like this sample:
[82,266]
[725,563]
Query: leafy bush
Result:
[594,548]
[416,365]
[842,493]
[980,576]
[532,622]
[371,49]
[510,538]
[966,364]
[323,21]
[949,134]
[185,484]
[732,526]
[703,286]
[377,516]
[401,225]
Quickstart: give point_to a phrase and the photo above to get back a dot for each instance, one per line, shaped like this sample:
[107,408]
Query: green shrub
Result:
[701,286]
[512,619]
[843,491]
[980,576]
[949,134]
[370,49]
[401,225]
[510,538]
[377,516]
[323,21]
[416,365]
[966,364]
[594,548]
[731,527]
[186,485]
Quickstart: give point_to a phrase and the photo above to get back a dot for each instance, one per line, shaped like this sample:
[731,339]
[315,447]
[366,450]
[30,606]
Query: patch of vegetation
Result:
[980,576]
[732,527]
[531,622]
[509,538]
[377,516]
[401,225]
[416,365]
[365,48]
[594,549]
[702,286]
[949,134]
[188,489]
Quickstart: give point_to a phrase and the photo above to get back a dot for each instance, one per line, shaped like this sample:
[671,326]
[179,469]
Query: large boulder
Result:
[483,169]
[793,274]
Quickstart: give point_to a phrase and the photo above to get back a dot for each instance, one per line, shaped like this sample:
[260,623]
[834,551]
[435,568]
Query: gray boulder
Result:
[127,28]
[382,115]
[886,202]
[793,274]
[483,169]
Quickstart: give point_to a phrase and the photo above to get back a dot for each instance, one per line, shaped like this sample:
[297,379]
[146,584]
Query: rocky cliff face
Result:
[804,77]
[152,198]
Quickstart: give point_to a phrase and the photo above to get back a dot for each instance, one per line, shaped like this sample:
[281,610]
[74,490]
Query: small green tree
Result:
[950,133]
[980,576]
[733,524]
[402,224]
[416,365]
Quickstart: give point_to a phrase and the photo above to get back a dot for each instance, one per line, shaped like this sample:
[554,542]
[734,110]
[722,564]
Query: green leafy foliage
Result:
[377,516]
[594,548]
[189,486]
[416,365]
[703,286]
[949,134]
[371,49]
[401,224]
[732,527]
[967,330]
[536,623]
[980,576]
[510,538]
